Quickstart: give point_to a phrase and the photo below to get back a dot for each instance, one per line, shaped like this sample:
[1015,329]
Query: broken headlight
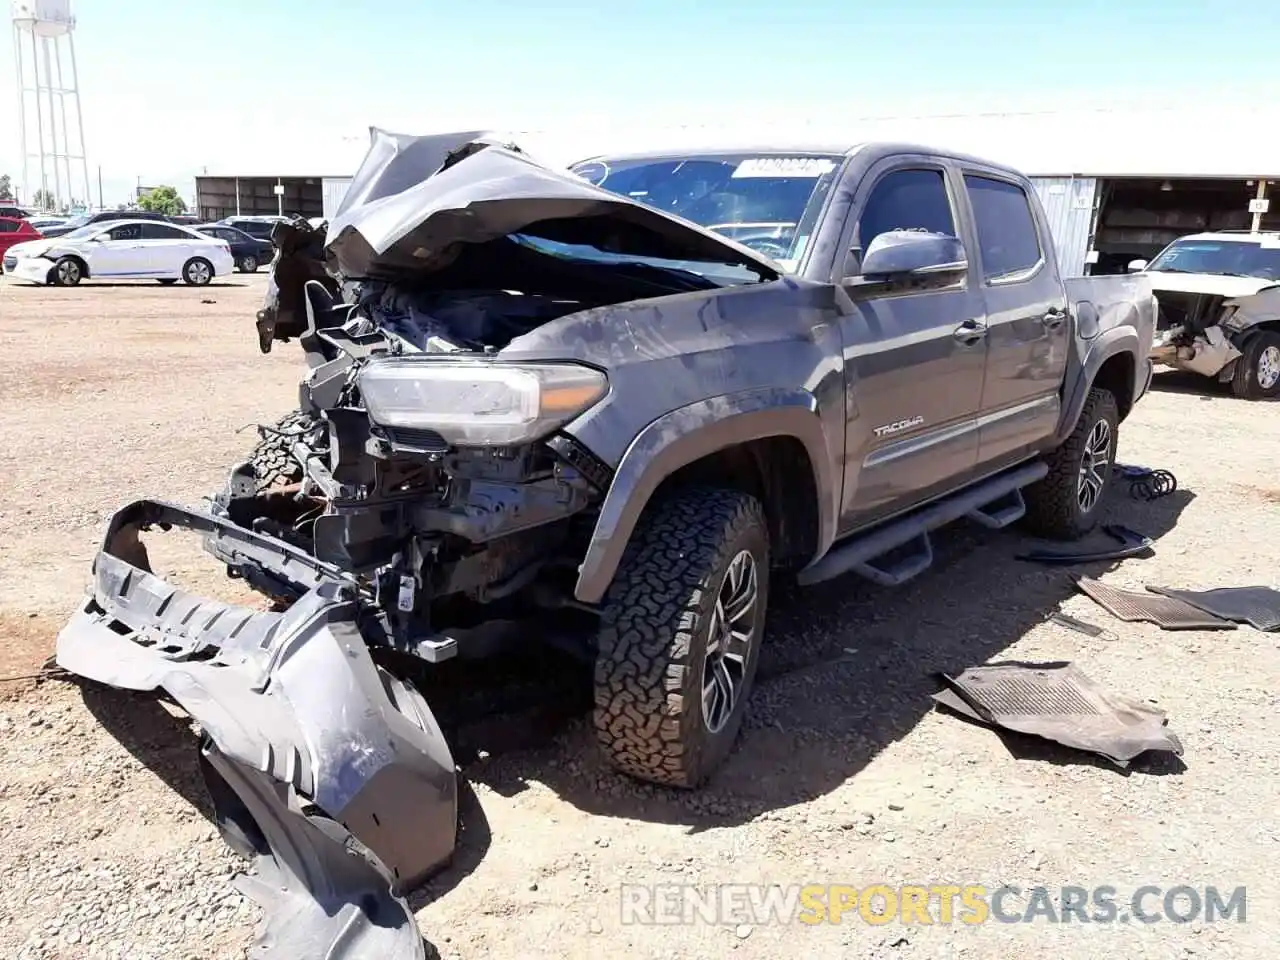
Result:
[1229,320]
[477,403]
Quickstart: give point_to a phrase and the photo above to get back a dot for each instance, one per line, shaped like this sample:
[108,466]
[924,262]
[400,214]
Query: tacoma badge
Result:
[897,427]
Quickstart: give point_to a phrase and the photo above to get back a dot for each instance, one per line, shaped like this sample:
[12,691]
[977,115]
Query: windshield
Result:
[767,203]
[1233,258]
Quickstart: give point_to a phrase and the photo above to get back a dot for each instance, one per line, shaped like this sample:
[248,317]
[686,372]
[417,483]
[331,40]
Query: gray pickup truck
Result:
[599,409]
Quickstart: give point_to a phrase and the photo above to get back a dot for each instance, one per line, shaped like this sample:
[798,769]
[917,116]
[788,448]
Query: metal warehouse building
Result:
[1115,184]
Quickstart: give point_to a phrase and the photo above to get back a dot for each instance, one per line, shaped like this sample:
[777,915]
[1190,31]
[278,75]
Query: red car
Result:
[14,231]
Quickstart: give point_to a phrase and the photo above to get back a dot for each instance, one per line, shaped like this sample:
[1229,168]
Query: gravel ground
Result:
[844,774]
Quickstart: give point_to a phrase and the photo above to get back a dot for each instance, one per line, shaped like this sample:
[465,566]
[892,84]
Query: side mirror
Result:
[1137,266]
[903,254]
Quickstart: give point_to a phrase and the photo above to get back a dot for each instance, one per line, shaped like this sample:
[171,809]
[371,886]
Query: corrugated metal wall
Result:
[1069,204]
[334,188]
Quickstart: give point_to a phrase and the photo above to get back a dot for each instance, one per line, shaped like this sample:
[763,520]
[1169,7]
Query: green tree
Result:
[43,200]
[6,188]
[162,200]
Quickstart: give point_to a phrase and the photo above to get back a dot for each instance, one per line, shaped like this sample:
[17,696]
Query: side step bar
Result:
[994,503]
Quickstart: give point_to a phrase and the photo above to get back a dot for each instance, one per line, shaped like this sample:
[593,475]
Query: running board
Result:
[990,503]
[1001,513]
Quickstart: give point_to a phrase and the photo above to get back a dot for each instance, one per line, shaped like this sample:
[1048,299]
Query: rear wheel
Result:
[680,636]
[249,264]
[67,272]
[197,272]
[1067,503]
[1257,373]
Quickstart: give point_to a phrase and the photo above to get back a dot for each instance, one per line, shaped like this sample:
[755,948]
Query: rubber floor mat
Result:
[1257,606]
[1168,613]
[1057,702]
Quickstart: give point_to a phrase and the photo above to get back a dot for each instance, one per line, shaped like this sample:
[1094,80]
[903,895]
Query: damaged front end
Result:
[423,500]
[1202,330]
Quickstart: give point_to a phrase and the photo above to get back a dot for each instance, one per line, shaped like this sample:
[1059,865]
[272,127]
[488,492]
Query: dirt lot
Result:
[844,774]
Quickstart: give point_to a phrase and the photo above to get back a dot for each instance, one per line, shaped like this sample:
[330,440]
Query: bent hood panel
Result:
[30,248]
[1206,283]
[414,198]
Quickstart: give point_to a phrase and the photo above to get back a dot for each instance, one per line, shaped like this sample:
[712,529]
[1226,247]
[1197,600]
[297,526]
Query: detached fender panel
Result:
[331,755]
[687,434]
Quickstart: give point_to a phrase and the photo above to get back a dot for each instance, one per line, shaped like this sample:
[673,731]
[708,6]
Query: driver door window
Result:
[906,200]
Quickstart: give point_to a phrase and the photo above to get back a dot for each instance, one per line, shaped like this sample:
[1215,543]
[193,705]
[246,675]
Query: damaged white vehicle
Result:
[1219,296]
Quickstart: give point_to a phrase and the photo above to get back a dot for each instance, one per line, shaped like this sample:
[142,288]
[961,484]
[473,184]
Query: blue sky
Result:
[169,88]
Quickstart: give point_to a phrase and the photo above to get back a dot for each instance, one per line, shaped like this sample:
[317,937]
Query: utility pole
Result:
[1258,206]
[101,206]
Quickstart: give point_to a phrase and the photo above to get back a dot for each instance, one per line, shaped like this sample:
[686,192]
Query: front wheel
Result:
[1068,503]
[1257,373]
[197,272]
[680,636]
[67,272]
[249,264]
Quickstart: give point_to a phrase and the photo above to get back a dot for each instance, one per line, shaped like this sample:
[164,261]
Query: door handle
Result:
[1054,318]
[971,331]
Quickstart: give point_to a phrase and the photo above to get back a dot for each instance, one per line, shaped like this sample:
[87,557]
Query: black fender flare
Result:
[689,433]
[1112,343]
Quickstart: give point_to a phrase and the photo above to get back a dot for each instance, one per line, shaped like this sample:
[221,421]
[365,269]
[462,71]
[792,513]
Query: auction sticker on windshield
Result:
[784,167]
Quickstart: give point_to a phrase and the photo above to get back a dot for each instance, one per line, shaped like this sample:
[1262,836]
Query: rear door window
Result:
[163,231]
[126,231]
[8,226]
[1007,238]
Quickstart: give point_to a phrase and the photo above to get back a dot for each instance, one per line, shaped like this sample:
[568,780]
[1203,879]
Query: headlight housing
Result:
[478,403]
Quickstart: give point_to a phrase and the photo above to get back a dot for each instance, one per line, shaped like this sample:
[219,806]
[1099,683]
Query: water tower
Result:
[51,129]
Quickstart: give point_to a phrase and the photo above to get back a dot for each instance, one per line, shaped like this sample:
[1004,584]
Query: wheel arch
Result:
[1112,362]
[84,264]
[768,443]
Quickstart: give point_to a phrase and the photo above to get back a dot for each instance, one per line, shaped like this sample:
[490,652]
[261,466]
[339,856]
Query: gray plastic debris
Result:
[1057,702]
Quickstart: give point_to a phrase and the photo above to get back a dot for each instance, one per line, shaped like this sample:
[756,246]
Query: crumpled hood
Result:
[414,199]
[1206,283]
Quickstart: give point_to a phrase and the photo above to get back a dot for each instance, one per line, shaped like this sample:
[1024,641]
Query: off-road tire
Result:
[1053,504]
[272,459]
[653,637]
[1244,381]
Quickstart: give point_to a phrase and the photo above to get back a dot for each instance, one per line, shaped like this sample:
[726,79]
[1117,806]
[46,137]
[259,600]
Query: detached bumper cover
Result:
[329,771]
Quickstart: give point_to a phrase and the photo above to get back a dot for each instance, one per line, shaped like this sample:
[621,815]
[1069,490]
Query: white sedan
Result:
[121,250]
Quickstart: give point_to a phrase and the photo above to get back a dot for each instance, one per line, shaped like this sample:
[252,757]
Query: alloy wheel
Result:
[730,634]
[1094,464]
[1268,367]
